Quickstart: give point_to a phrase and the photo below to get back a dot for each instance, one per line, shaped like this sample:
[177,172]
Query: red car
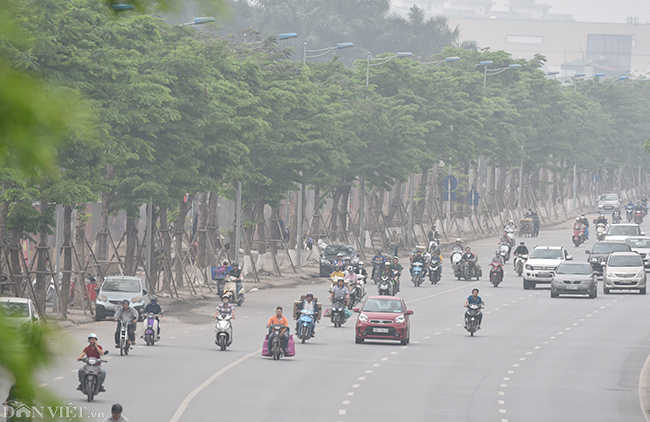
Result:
[383,318]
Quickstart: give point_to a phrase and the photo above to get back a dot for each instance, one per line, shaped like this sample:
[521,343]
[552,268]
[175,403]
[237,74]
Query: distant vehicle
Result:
[622,231]
[329,255]
[20,314]
[624,271]
[599,254]
[114,290]
[642,246]
[542,262]
[383,318]
[574,278]
[608,201]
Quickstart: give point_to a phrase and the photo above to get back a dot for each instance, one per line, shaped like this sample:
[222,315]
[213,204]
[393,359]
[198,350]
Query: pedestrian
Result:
[393,242]
[116,414]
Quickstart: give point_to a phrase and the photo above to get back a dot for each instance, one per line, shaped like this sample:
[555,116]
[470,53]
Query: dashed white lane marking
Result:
[369,371]
[459,325]
[582,319]
[504,385]
[435,334]
[426,337]
[342,412]
[404,347]
[545,342]
[58,378]
[186,332]
[384,359]
[487,312]
[594,312]
[108,357]
[43,385]
[552,337]
[416,342]
[393,353]
[561,332]
[350,393]
[515,365]
[73,371]
[355,385]
[522,359]
[575,323]
[506,378]
[589,316]
[245,316]
[375,365]
[529,353]
[511,371]
[502,410]
[501,402]
[496,309]
[361,378]
[505,304]
[537,347]
[504,420]
[260,312]
[502,393]
[447,329]
[172,337]
[346,402]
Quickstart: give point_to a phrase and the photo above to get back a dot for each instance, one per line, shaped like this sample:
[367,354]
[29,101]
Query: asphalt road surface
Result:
[535,359]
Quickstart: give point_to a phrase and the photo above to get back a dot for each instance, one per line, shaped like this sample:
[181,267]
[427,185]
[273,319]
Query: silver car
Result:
[574,278]
[624,271]
[114,290]
[20,315]
[622,231]
[608,201]
[641,245]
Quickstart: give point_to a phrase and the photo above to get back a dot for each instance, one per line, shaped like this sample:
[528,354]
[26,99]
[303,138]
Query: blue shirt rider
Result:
[475,299]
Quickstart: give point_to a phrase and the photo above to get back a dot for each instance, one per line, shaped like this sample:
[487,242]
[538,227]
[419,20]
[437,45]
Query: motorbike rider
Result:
[93,350]
[338,272]
[436,256]
[278,319]
[225,307]
[351,275]
[126,315]
[616,214]
[155,309]
[388,272]
[521,250]
[338,262]
[577,225]
[393,242]
[360,270]
[470,257]
[499,260]
[456,247]
[236,273]
[432,235]
[417,257]
[221,273]
[601,219]
[396,267]
[116,414]
[644,204]
[377,259]
[510,228]
[475,299]
[310,304]
[585,223]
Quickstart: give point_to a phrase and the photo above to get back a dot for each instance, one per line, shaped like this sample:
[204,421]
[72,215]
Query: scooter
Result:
[629,213]
[417,274]
[275,346]
[230,290]
[511,236]
[578,236]
[504,251]
[638,216]
[456,256]
[376,269]
[125,342]
[385,286]
[355,293]
[496,274]
[520,261]
[306,321]
[223,329]
[472,318]
[151,329]
[601,231]
[338,312]
[616,218]
[91,378]
[434,269]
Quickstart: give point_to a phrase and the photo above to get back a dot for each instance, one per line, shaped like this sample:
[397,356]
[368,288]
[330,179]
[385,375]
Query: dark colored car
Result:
[383,318]
[574,278]
[600,252]
[329,255]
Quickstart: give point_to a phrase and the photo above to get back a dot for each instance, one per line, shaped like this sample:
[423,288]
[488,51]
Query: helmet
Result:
[125,302]
[337,267]
[378,250]
[339,254]
[360,263]
[235,264]
[497,253]
[458,239]
[154,298]
[521,243]
[395,258]
[583,214]
[92,335]
[577,218]
[602,213]
[310,294]
[350,269]
[116,408]
[511,221]
[386,263]
[418,253]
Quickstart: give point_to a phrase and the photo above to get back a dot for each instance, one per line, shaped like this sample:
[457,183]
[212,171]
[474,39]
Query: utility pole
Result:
[411,209]
[150,250]
[575,187]
[449,199]
[238,223]
[299,244]
[362,211]
[521,184]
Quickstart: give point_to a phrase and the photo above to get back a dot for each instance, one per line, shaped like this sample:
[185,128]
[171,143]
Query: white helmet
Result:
[92,335]
[360,263]
[458,240]
[577,218]
[511,221]
[339,254]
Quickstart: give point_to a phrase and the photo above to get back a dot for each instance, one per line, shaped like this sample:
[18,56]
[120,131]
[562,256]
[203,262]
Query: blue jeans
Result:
[102,375]
[312,326]
[586,232]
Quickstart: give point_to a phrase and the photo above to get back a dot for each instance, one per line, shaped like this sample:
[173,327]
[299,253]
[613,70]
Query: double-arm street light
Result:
[281,37]
[323,51]
[437,63]
[198,21]
[489,72]
[383,60]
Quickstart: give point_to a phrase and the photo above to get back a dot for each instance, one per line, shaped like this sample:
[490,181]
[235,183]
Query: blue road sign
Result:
[445,196]
[449,183]
[473,197]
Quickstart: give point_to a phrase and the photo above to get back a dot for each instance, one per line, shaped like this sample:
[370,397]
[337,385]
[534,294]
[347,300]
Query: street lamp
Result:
[281,37]
[323,51]
[490,72]
[198,21]
[439,62]
[575,81]
[123,7]
[383,60]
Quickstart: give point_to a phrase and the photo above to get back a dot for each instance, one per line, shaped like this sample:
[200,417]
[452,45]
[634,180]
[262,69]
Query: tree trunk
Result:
[179,231]
[167,250]
[130,261]
[261,226]
[315,225]
[396,203]
[202,235]
[212,230]
[80,248]
[67,260]
[16,258]
[421,196]
[42,279]
[344,214]
[107,199]
[334,217]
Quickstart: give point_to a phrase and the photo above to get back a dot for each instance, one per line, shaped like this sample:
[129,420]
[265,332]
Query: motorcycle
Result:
[601,231]
[629,213]
[305,323]
[616,218]
[465,270]
[229,288]
[434,270]
[275,348]
[638,216]
[472,318]
[511,235]
[223,329]
[338,312]
[151,329]
[456,256]
[504,251]
[496,274]
[377,267]
[520,261]
[417,274]
[385,286]
[578,236]
[354,293]
[125,342]
[91,378]
[433,246]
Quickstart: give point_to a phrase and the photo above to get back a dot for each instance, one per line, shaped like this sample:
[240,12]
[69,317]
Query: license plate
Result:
[543,274]
[380,330]
[570,287]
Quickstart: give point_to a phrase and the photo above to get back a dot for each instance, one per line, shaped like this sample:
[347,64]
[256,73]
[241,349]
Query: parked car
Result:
[601,250]
[608,201]
[21,315]
[624,271]
[574,278]
[329,255]
[114,290]
[383,318]
[542,262]
[642,246]
[622,231]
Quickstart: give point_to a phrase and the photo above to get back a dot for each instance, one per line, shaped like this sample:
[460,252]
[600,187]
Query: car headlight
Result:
[363,317]
[399,319]
[641,273]
[610,274]
[137,299]
[529,267]
[102,298]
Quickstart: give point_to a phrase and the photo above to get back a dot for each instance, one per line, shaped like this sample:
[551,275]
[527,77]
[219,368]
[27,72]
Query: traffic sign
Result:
[473,197]
[449,183]
[445,196]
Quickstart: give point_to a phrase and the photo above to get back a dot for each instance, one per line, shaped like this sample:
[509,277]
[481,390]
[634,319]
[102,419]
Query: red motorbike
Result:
[496,273]
[638,216]
[578,236]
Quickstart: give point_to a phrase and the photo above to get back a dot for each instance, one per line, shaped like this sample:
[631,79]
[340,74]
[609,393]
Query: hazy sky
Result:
[595,10]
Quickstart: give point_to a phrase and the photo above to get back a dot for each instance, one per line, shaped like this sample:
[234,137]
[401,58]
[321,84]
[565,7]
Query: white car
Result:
[607,202]
[541,264]
[21,315]
[641,245]
[623,231]
[624,271]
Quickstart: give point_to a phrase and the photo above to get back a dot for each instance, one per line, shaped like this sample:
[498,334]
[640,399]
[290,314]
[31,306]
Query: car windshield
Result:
[546,254]
[582,269]
[624,261]
[127,286]
[383,305]
[14,310]
[639,243]
[609,197]
[332,250]
[624,230]
[609,247]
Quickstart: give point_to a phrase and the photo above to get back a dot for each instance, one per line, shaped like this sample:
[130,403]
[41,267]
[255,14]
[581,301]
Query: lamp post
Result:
[521,183]
[323,51]
[411,209]
[281,37]
[383,60]
[299,241]
[575,81]
[123,7]
[198,21]
[437,63]
[489,72]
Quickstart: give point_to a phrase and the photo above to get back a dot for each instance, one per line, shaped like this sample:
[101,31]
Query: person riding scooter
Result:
[93,350]
[388,272]
[236,273]
[308,304]
[499,260]
[601,219]
[470,257]
[125,315]
[154,308]
[521,250]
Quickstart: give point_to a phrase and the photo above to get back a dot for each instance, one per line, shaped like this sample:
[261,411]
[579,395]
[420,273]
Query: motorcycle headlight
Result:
[137,299]
[102,298]
[399,319]
[363,317]
[529,267]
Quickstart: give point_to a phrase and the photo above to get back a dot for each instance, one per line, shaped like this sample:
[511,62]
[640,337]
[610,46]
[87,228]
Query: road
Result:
[536,359]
